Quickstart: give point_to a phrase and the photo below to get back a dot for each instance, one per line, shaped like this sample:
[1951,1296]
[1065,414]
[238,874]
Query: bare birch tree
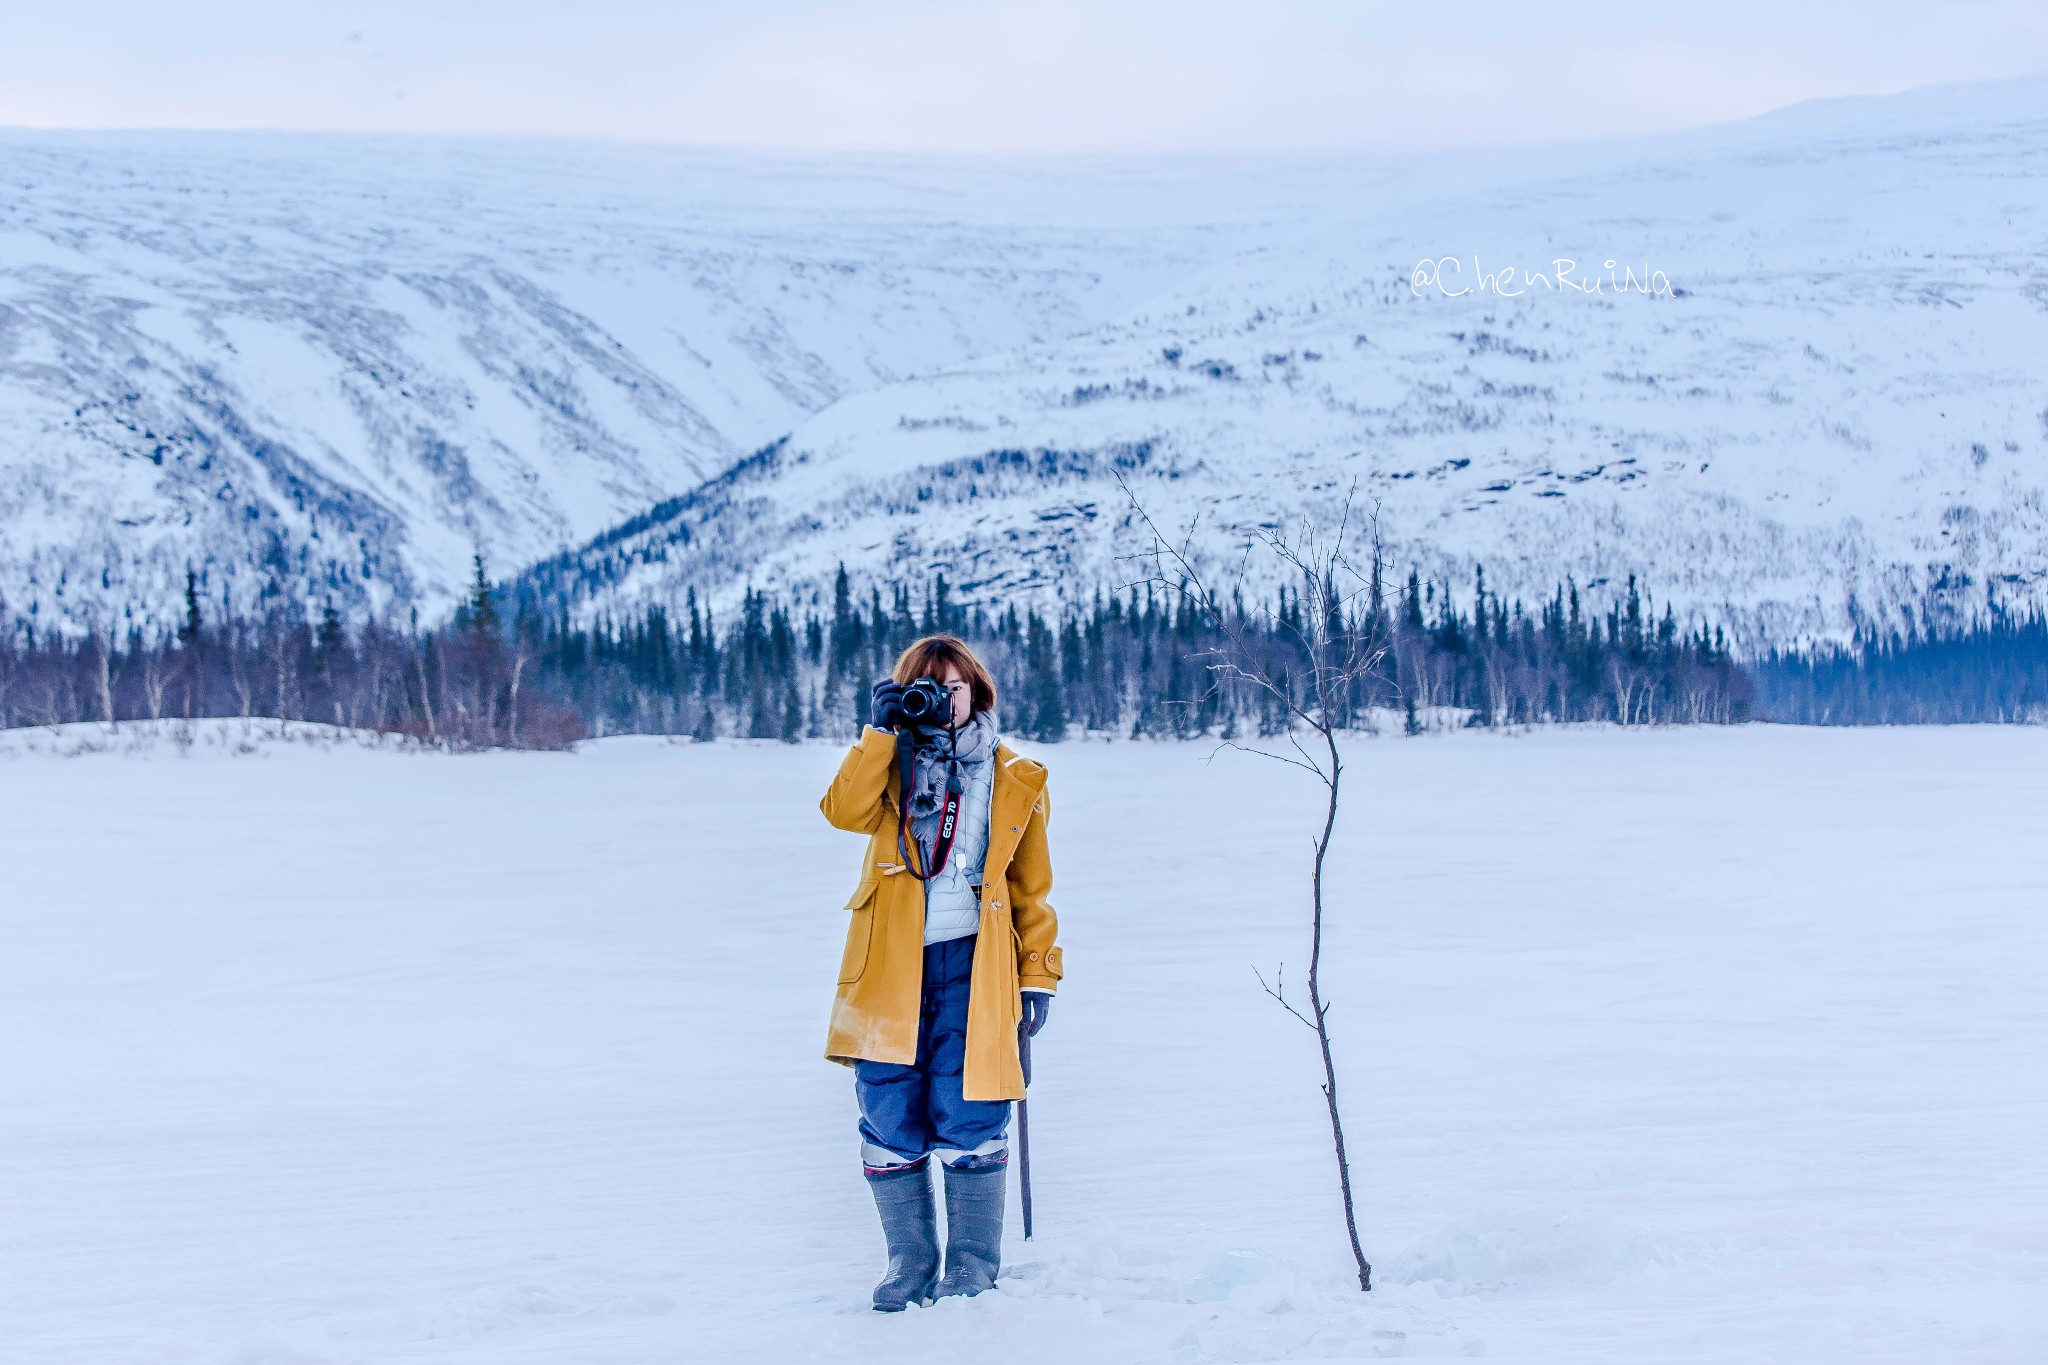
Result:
[103,671]
[1340,637]
[158,668]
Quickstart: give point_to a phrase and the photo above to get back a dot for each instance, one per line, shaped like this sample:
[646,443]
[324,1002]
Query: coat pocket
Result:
[858,935]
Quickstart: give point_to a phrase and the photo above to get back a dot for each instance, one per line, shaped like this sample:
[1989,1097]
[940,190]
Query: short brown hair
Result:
[926,657]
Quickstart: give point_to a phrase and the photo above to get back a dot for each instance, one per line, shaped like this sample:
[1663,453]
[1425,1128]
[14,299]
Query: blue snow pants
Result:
[911,1110]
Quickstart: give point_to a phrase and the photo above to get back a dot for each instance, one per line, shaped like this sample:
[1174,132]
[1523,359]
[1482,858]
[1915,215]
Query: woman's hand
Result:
[1037,1005]
[886,712]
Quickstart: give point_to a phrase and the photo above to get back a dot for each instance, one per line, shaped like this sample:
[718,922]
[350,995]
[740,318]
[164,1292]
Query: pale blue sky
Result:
[1061,75]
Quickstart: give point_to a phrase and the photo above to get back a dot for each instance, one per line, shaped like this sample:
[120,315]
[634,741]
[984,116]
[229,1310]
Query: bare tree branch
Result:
[1279,992]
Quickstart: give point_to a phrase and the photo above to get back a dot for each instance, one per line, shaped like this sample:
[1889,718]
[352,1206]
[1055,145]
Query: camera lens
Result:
[925,702]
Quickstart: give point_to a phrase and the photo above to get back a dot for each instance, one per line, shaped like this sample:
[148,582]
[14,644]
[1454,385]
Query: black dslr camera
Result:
[927,705]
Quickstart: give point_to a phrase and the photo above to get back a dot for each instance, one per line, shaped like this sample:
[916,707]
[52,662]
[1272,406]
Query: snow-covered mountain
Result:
[336,367]
[1838,405]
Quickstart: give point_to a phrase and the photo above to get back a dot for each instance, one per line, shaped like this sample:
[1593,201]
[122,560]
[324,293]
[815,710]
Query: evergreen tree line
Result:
[1932,673]
[1136,662]
[465,685]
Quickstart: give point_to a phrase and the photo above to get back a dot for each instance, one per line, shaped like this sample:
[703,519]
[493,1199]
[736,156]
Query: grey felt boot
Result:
[974,1225]
[910,1225]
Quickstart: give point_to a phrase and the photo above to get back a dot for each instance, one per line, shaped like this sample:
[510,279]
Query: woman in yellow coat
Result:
[951,948]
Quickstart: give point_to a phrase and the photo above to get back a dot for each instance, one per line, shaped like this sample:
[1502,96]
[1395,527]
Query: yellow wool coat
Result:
[881,976]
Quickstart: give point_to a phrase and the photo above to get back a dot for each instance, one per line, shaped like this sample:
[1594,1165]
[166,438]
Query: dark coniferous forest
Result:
[1135,663]
[1994,670]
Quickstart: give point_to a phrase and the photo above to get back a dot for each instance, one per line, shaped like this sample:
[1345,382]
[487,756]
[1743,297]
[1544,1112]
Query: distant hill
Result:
[1822,399]
[333,368]
[323,369]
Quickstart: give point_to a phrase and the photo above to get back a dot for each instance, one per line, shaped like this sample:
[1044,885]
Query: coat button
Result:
[1034,957]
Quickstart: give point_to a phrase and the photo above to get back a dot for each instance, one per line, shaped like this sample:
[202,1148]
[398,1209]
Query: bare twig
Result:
[1278,990]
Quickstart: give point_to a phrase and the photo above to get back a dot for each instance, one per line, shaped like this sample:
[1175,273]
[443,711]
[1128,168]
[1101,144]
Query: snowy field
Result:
[1709,1045]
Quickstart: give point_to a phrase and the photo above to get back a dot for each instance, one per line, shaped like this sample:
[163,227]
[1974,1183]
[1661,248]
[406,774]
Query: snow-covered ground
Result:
[1677,1046]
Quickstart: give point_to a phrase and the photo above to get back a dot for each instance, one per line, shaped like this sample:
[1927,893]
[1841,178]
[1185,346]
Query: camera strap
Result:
[949,813]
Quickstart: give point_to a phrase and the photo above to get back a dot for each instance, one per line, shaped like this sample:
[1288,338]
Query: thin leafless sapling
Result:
[1338,640]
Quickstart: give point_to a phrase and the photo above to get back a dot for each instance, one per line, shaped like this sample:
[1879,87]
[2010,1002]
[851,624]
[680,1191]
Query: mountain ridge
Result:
[320,368]
[334,368]
[1829,419]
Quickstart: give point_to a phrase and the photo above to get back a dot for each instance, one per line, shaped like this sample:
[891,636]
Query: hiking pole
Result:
[1024,1128]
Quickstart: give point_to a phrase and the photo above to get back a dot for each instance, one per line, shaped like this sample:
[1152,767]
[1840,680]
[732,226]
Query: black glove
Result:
[887,711]
[1037,1004]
